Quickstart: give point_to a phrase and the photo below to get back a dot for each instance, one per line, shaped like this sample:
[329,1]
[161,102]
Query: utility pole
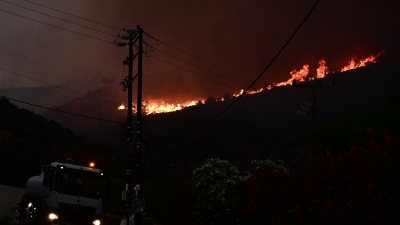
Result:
[127,85]
[138,203]
[135,144]
[314,89]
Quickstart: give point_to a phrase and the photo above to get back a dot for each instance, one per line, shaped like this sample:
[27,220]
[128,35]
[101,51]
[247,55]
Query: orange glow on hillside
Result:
[155,106]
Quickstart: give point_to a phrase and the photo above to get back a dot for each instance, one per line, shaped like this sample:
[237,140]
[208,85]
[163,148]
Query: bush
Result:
[214,190]
[265,195]
[360,186]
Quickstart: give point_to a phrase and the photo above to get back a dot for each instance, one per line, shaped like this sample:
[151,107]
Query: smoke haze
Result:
[240,36]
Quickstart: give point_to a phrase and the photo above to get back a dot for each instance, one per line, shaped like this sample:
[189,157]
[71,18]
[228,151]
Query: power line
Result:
[110,26]
[107,34]
[192,72]
[114,42]
[197,66]
[55,86]
[257,78]
[59,18]
[61,111]
[196,57]
[270,63]
[15,14]
[70,14]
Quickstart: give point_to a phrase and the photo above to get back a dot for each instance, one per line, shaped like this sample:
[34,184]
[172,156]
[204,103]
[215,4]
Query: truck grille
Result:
[76,209]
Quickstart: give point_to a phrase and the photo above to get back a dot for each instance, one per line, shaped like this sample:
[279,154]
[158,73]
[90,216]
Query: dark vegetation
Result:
[353,179]
[263,126]
[28,141]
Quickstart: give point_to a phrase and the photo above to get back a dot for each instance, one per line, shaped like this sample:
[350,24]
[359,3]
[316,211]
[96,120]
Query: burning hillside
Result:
[160,106]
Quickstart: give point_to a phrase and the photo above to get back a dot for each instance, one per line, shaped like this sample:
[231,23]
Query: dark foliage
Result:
[27,141]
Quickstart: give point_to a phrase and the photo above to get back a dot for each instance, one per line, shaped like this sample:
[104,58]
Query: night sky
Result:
[239,36]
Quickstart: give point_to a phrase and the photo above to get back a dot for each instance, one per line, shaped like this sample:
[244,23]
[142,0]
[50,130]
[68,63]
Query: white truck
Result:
[64,193]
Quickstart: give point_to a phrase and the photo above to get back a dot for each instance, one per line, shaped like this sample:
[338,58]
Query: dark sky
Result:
[240,36]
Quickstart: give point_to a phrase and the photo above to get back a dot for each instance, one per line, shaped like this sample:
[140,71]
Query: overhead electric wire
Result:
[77,24]
[270,63]
[55,86]
[257,78]
[15,14]
[70,14]
[196,57]
[108,42]
[61,111]
[196,65]
[234,102]
[192,72]
[114,36]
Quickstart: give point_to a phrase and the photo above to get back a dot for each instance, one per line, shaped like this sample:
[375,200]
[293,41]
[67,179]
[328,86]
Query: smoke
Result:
[240,36]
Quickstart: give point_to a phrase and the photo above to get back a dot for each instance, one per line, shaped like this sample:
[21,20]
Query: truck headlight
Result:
[53,216]
[96,222]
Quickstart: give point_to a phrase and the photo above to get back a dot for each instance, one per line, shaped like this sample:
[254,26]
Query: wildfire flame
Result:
[322,69]
[300,75]
[162,107]
[121,107]
[154,107]
[363,62]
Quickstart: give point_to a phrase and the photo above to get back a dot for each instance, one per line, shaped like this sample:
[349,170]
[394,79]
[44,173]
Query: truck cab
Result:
[65,194]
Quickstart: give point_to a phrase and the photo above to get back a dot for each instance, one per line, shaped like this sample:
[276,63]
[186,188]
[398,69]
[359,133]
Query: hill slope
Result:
[260,125]
[27,141]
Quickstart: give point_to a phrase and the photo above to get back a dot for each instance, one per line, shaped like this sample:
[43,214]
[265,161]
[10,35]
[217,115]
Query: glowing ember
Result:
[256,91]
[240,93]
[153,107]
[121,107]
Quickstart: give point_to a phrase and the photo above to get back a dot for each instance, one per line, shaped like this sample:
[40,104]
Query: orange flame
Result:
[300,75]
[121,107]
[363,62]
[162,107]
[322,69]
[155,106]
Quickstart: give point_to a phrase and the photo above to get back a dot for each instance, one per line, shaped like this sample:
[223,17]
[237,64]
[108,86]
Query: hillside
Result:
[27,141]
[263,125]
[260,125]
[49,95]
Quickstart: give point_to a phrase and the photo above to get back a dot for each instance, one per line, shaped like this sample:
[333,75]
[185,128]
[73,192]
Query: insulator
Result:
[131,31]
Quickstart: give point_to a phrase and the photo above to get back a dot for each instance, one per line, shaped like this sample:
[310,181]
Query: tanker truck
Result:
[64,193]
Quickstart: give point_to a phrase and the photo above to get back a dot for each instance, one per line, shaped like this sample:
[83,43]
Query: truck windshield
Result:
[79,183]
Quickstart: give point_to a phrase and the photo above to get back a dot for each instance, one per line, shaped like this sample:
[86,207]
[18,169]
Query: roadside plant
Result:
[214,186]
